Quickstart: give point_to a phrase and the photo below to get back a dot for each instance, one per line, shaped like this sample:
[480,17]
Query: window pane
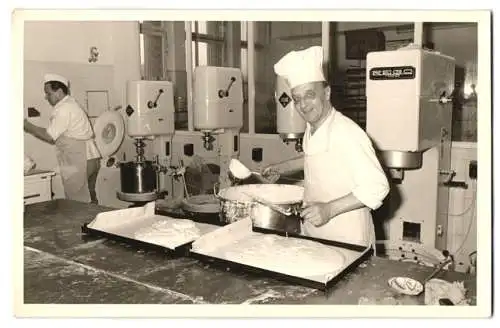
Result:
[244,36]
[193,53]
[202,53]
[202,27]
[277,39]
[244,63]
[212,28]
[153,63]
[464,124]
[141,42]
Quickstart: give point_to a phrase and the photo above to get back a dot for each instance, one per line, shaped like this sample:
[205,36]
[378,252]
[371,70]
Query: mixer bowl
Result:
[138,177]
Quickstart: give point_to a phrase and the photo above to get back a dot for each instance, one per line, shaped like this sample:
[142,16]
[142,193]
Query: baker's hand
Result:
[317,214]
[271,173]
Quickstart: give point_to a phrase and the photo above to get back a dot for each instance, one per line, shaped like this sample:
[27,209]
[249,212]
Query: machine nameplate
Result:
[392,73]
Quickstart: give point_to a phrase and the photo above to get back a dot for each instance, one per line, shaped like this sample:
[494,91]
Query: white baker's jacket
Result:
[339,159]
[70,120]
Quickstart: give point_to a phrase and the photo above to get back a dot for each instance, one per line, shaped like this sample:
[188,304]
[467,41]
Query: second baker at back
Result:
[71,132]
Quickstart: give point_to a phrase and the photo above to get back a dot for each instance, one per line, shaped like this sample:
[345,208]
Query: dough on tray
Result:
[292,256]
[169,233]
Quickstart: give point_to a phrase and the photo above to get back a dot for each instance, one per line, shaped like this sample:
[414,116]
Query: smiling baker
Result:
[343,179]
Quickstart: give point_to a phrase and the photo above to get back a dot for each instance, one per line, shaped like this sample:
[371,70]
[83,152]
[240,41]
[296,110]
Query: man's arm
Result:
[344,204]
[286,167]
[292,165]
[38,132]
[320,213]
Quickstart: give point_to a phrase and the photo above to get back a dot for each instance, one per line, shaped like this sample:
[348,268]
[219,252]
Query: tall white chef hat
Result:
[55,77]
[303,66]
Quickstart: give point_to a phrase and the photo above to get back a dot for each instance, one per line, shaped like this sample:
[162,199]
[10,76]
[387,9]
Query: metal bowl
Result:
[236,205]
[267,218]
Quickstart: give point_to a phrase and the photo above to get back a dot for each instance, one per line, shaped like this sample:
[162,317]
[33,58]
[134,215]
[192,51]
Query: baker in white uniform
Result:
[71,132]
[343,179]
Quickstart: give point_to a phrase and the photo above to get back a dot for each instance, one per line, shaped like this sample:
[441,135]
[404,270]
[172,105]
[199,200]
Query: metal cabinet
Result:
[38,187]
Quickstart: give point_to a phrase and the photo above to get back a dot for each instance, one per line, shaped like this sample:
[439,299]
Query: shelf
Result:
[353,95]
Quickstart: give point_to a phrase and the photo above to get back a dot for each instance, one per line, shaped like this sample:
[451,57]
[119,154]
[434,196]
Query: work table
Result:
[63,265]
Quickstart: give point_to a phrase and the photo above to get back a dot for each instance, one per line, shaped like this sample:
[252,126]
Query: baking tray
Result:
[121,225]
[179,251]
[204,248]
[208,218]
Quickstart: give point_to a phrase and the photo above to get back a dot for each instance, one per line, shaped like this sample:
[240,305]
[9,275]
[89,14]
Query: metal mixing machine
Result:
[409,112]
[150,117]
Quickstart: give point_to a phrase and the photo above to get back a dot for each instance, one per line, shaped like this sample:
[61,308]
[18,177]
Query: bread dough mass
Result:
[276,194]
[169,233]
[292,256]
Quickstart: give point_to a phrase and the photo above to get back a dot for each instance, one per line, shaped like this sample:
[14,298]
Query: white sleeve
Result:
[59,124]
[371,185]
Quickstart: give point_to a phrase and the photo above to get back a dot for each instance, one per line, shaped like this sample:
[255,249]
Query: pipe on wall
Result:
[251,76]
[325,43]
[418,33]
[189,73]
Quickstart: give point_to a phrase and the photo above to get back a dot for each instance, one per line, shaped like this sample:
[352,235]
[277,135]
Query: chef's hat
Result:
[303,66]
[55,77]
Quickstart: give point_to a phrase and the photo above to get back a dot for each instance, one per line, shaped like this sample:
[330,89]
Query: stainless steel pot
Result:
[237,205]
[265,217]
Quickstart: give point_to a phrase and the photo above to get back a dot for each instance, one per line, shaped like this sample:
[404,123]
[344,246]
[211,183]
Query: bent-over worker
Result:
[71,132]
[343,179]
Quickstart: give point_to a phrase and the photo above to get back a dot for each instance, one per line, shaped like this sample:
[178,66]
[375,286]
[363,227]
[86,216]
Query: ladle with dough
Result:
[240,171]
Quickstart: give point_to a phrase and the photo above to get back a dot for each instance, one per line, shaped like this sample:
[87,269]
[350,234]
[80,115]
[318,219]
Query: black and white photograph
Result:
[208,159]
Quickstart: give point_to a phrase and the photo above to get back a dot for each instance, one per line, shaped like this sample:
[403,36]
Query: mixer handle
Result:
[225,93]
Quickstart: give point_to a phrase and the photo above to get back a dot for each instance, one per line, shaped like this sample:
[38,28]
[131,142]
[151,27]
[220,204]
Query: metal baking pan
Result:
[121,225]
[179,251]
[204,249]
[208,218]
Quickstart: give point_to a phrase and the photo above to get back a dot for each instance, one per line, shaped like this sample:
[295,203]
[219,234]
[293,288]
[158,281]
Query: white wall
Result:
[462,209]
[67,41]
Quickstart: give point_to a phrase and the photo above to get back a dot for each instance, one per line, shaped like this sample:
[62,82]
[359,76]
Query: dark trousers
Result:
[93,166]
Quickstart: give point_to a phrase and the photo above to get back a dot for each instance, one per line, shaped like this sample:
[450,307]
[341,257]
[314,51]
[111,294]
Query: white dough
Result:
[169,233]
[273,193]
[292,256]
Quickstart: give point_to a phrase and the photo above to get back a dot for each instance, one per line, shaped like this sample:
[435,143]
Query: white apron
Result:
[325,179]
[72,159]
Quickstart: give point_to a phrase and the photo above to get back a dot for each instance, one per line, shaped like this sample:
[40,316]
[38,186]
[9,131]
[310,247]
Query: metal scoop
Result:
[240,171]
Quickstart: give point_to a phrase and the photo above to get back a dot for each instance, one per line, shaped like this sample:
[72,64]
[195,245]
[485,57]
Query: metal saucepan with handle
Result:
[270,206]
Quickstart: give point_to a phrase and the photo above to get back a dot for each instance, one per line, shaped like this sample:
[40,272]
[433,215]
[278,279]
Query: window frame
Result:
[211,57]
[149,29]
